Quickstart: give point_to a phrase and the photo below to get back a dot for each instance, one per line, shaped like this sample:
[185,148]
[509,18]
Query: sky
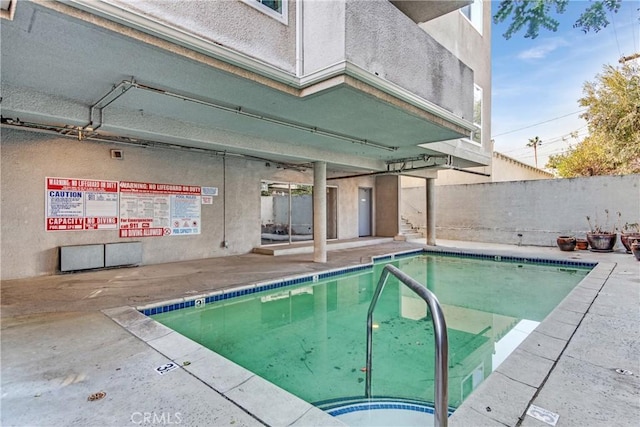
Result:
[536,83]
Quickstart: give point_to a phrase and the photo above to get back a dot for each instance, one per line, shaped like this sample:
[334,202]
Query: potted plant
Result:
[628,232]
[635,247]
[566,243]
[582,244]
[601,238]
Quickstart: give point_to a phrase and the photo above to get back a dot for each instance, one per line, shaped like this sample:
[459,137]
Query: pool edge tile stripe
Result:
[511,258]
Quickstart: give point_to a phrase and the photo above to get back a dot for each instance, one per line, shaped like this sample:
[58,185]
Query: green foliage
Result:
[613,117]
[535,14]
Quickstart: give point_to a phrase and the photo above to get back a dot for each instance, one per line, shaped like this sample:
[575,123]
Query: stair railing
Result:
[440,407]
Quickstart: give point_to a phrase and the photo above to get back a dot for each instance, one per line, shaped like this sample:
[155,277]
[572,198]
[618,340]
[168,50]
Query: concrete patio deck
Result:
[63,340]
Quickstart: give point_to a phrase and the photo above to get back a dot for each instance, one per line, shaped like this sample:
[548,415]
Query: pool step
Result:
[307,247]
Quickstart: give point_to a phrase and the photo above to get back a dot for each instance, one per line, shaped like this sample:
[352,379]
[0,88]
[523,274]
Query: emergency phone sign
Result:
[81,204]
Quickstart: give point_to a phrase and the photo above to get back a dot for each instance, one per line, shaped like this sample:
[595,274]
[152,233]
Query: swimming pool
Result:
[310,338]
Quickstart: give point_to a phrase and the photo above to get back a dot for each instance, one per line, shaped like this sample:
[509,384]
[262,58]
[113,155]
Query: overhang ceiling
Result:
[52,62]
[426,10]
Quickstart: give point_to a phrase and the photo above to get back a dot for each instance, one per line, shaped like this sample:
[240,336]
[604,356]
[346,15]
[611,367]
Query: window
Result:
[272,4]
[477,114]
[277,9]
[473,12]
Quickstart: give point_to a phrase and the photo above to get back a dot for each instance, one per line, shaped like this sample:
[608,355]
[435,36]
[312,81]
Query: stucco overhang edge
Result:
[462,149]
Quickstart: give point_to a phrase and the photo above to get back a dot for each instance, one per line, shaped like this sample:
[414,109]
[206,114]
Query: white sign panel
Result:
[153,210]
[81,204]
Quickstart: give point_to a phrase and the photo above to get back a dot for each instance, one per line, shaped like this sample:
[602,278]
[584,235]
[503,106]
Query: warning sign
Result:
[155,210]
[81,204]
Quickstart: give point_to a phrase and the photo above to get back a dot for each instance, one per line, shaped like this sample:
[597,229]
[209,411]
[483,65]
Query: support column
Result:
[319,212]
[431,211]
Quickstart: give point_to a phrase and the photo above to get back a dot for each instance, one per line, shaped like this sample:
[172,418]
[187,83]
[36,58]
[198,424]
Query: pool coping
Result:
[272,405]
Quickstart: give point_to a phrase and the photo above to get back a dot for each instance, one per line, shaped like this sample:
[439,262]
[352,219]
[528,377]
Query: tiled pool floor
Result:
[58,348]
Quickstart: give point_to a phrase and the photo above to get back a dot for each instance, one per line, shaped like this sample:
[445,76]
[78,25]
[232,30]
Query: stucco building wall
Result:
[29,157]
[233,24]
[534,212]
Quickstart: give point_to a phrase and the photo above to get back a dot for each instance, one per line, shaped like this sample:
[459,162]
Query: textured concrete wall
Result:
[384,41]
[324,35]
[348,205]
[229,23]
[27,158]
[458,35]
[538,210]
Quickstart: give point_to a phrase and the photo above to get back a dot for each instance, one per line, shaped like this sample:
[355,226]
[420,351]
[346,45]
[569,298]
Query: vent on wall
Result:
[117,154]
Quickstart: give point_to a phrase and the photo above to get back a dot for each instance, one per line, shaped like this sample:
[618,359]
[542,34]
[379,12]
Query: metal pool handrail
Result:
[440,406]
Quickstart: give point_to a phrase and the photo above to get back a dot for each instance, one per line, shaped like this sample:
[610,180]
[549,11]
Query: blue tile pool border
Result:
[510,258]
[372,406]
[222,295]
[341,406]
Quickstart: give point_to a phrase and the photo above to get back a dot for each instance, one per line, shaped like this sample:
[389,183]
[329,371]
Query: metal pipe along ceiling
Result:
[125,85]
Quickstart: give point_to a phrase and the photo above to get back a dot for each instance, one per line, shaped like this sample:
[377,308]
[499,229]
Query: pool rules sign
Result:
[135,209]
[81,204]
[152,210]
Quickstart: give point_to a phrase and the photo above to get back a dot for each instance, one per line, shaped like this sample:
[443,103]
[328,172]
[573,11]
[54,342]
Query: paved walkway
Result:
[59,348]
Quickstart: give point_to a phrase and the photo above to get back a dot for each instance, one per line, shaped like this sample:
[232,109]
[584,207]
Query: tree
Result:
[534,142]
[613,118]
[539,13]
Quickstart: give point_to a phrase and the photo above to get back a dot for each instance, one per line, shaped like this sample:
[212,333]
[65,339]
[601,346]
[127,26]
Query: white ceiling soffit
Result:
[7,8]
[426,10]
[66,65]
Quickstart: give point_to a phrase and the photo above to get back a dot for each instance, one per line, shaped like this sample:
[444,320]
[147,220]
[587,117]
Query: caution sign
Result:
[80,204]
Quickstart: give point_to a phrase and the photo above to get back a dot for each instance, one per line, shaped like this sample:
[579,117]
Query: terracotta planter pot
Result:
[602,242]
[582,244]
[627,238]
[566,243]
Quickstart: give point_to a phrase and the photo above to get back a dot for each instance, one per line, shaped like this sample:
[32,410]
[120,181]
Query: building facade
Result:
[171,124]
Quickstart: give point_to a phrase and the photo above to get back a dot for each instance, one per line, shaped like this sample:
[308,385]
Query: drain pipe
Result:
[225,243]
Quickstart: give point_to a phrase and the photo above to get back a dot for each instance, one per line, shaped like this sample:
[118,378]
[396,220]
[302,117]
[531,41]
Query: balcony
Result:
[363,85]
[426,10]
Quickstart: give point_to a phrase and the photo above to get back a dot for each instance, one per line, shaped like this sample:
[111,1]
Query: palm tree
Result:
[534,142]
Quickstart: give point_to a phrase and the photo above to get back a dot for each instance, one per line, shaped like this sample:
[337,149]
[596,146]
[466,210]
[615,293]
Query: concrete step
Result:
[307,247]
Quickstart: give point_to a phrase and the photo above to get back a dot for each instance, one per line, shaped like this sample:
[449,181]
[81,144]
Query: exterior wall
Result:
[458,35]
[230,23]
[538,210]
[348,204]
[384,41]
[503,168]
[324,35]
[28,157]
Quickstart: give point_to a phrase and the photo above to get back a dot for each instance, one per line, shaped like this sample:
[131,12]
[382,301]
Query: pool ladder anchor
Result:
[440,406]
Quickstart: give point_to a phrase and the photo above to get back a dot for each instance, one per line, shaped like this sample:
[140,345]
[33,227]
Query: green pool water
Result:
[310,339]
